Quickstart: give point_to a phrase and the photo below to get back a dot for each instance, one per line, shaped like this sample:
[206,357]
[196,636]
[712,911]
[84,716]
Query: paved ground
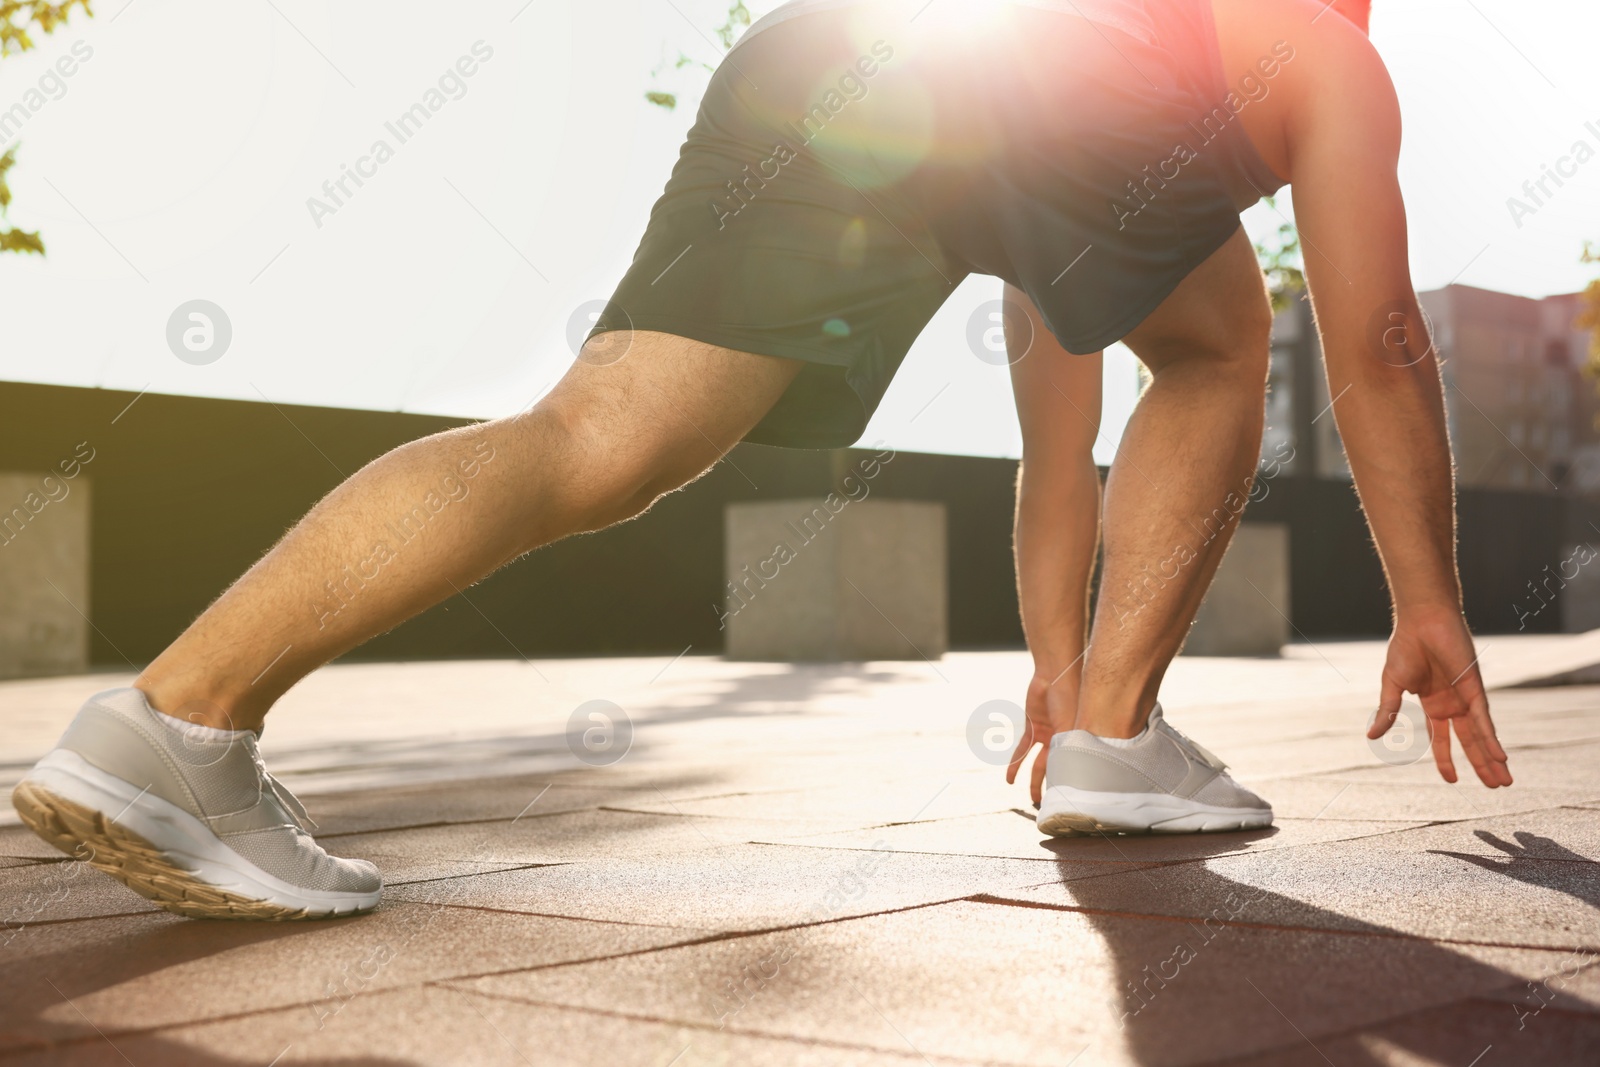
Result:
[812,865]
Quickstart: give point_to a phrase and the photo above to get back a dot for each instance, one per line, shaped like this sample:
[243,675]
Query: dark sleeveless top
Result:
[1185,28]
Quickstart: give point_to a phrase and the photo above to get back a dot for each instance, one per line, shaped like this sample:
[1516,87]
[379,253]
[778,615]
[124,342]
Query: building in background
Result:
[1521,409]
[1522,412]
[1300,423]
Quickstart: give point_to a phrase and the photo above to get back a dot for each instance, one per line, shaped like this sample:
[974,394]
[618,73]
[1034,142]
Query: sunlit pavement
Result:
[767,863]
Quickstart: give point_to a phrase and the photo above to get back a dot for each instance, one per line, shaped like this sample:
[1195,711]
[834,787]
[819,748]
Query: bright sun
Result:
[962,16]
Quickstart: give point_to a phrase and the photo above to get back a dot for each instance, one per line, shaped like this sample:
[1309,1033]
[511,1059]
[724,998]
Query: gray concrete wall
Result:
[1580,599]
[827,579]
[44,574]
[1246,610]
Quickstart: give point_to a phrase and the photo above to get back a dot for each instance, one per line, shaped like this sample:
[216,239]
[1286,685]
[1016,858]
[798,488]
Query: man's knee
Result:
[599,473]
[1219,315]
[1235,340]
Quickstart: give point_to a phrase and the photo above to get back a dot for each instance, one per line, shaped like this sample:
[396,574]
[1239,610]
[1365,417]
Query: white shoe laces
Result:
[1209,758]
[291,803]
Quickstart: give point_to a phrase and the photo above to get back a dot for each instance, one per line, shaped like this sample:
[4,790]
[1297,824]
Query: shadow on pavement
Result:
[1352,982]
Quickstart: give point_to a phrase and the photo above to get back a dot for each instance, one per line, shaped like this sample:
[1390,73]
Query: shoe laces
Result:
[1207,757]
[289,802]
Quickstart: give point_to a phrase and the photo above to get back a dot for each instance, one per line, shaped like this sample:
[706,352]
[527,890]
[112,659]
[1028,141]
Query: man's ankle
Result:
[1122,728]
[196,711]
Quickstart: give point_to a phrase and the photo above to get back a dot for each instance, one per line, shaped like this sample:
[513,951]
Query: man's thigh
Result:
[639,401]
[1219,312]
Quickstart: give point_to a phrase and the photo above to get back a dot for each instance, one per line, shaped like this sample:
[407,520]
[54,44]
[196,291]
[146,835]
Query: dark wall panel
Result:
[189,492]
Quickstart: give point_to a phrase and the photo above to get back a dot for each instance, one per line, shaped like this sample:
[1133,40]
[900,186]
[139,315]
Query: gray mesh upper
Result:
[222,782]
[1161,760]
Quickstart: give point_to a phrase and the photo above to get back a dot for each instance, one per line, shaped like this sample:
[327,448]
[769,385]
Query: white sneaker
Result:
[1159,781]
[187,817]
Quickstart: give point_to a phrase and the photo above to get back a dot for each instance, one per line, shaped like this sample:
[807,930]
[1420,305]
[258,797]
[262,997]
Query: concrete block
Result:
[1580,600]
[1246,610]
[835,579]
[44,574]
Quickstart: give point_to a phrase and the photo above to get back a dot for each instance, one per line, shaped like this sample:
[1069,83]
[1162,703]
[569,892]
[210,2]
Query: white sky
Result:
[178,162]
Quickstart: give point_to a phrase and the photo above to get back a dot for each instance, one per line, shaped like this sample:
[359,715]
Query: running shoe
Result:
[1156,782]
[187,816]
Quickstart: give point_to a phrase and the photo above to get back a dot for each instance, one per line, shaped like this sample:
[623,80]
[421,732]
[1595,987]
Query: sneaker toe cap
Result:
[358,876]
[1223,791]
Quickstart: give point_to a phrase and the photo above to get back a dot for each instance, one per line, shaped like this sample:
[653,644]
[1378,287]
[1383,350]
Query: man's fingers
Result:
[1472,745]
[1477,701]
[1024,743]
[1480,747]
[1040,763]
[1476,730]
[1440,730]
[1491,772]
[1389,695]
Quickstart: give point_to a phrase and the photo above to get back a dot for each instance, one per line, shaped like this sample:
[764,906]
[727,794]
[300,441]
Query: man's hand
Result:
[1431,655]
[1050,708]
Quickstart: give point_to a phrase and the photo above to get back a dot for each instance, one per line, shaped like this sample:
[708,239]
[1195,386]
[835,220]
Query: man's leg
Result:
[400,536]
[184,812]
[1179,481]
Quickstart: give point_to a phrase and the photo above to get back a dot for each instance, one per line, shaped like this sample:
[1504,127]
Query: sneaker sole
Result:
[176,879]
[1066,811]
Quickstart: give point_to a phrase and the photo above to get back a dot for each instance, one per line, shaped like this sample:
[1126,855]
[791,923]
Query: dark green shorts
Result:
[845,174]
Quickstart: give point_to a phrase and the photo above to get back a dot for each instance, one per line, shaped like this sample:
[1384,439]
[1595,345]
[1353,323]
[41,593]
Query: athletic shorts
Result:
[848,168]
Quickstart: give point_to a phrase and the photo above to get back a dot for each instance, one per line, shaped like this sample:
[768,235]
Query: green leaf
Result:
[15,18]
[20,241]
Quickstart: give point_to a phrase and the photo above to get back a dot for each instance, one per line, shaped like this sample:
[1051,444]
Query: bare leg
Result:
[432,517]
[1057,523]
[1179,481]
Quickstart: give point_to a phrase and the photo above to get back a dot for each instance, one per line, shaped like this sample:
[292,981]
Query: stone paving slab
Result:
[18,842]
[1574,988]
[374,725]
[749,887]
[1419,798]
[433,1024]
[1443,882]
[1019,985]
[402,868]
[1466,1033]
[845,804]
[1013,834]
[52,892]
[455,802]
[568,837]
[153,970]
[1386,916]
[1564,714]
[1571,767]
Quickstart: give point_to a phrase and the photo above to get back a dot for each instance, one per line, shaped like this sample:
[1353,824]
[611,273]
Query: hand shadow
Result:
[1208,967]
